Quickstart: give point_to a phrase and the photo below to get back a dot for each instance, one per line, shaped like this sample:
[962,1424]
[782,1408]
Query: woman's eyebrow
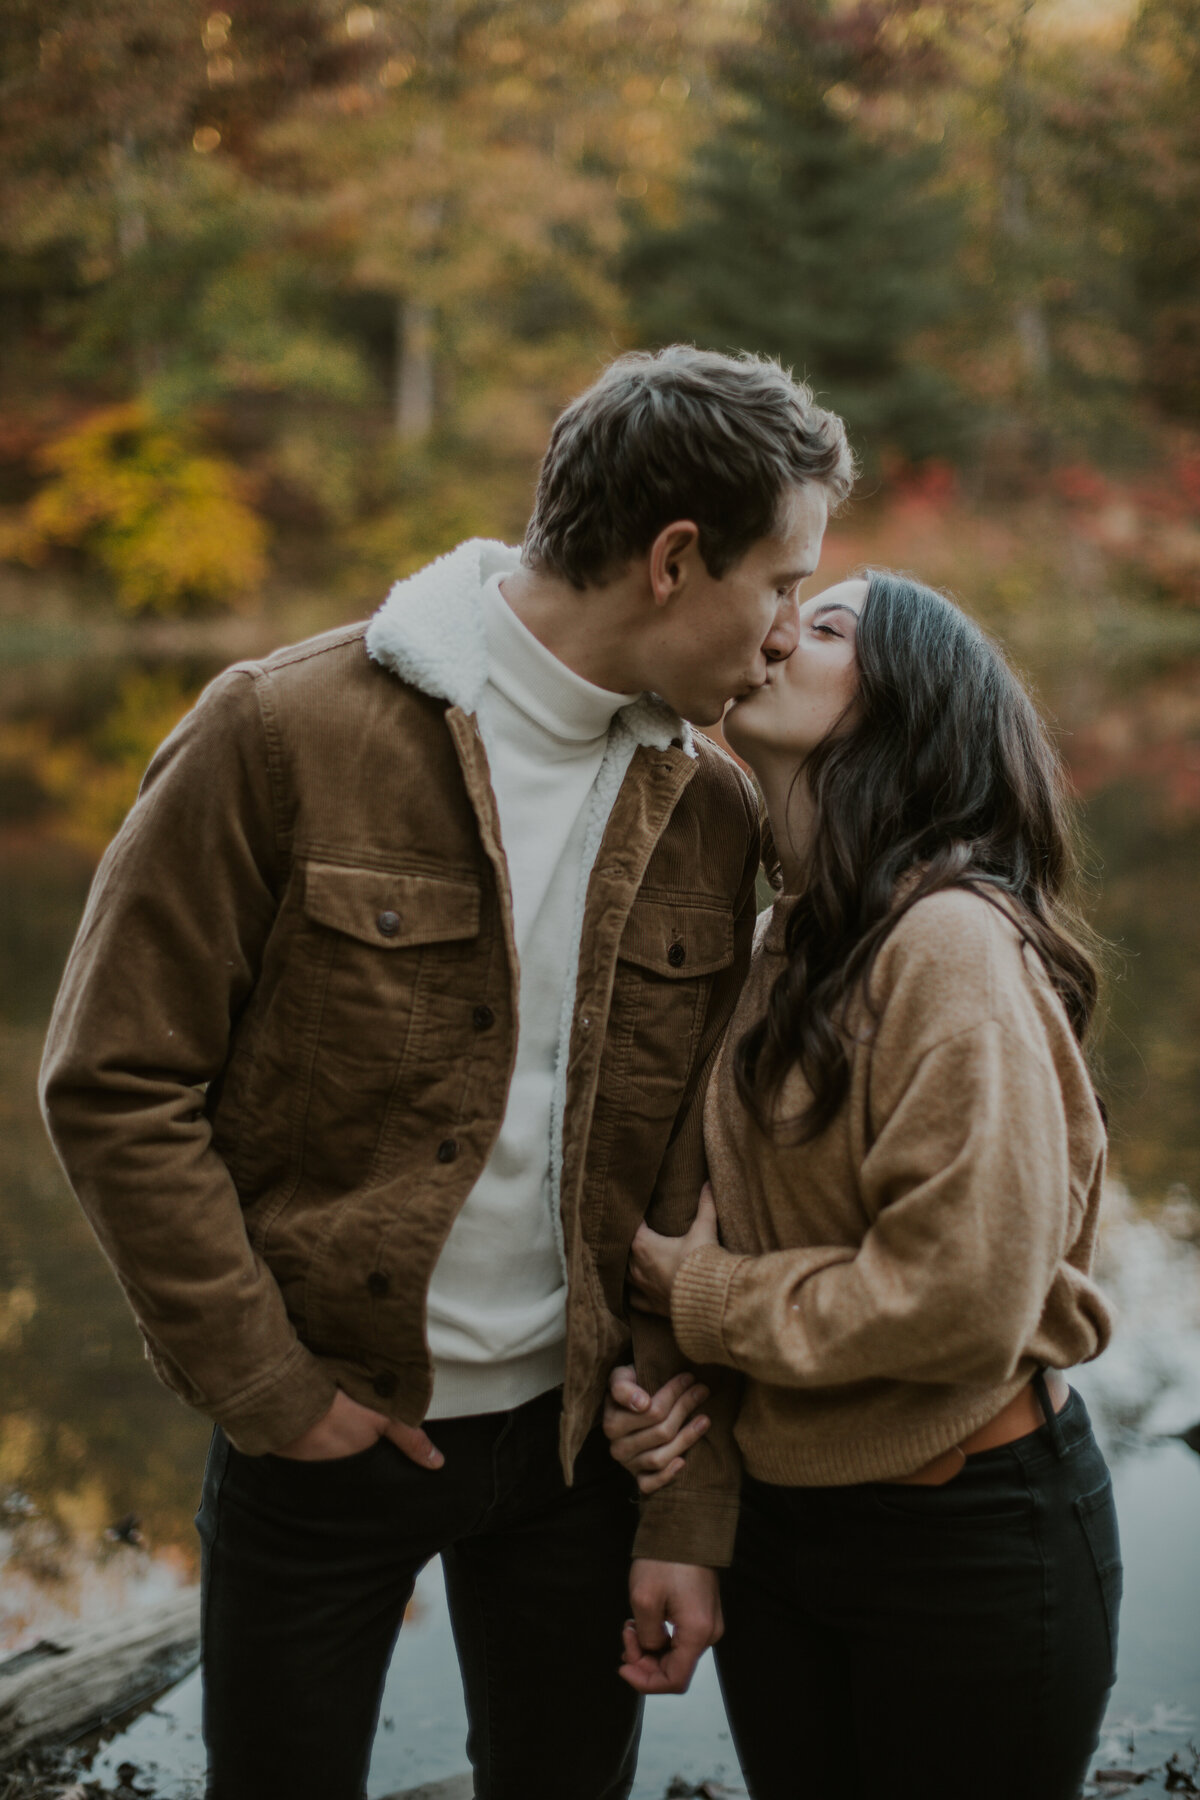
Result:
[835,606]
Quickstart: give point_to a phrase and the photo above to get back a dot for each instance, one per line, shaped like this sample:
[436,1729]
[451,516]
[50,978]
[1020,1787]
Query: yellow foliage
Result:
[21,1443]
[96,782]
[439,510]
[86,1511]
[167,522]
[17,1307]
[92,781]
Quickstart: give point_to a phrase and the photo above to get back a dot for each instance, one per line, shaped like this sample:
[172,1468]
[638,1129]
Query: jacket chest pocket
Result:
[393,968]
[669,953]
[377,934]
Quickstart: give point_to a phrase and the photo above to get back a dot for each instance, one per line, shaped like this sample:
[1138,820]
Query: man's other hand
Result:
[687,1599]
[348,1428]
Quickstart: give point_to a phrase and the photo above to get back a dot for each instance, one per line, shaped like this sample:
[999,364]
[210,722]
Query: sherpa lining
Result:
[430,632]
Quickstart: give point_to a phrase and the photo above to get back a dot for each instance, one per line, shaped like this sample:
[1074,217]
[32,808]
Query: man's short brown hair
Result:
[679,434]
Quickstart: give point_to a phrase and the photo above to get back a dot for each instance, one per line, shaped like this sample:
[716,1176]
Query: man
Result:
[388,1022]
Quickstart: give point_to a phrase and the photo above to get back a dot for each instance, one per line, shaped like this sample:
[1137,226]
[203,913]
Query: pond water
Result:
[88,1441]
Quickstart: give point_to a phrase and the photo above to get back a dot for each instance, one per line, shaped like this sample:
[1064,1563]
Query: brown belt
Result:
[1022,1415]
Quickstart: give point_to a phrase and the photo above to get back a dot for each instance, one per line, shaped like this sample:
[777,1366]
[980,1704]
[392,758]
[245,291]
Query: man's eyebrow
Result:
[835,606]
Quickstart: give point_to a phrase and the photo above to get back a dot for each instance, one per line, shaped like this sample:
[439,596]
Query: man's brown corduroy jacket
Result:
[281,1052]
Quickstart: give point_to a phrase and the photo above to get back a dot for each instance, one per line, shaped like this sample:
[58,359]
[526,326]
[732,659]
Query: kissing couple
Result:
[480,1162]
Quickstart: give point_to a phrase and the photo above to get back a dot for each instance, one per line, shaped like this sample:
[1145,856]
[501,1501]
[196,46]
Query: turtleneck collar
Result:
[534,679]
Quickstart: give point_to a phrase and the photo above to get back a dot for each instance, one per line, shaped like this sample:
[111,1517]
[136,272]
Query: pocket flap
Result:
[1098,1517]
[676,939]
[390,912]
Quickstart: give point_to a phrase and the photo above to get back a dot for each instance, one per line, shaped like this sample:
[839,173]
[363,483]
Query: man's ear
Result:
[672,555]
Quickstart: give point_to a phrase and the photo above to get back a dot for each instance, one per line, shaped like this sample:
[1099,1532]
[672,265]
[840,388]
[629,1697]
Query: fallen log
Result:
[63,1687]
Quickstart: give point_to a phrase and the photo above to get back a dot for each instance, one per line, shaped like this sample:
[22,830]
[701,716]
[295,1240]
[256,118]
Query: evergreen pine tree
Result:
[801,236]
[1159,177]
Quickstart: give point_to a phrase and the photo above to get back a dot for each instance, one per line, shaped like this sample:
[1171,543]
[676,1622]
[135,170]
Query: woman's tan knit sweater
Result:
[887,1288]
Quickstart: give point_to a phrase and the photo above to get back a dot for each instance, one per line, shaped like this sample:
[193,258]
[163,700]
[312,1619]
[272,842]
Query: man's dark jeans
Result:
[308,1568]
[927,1642]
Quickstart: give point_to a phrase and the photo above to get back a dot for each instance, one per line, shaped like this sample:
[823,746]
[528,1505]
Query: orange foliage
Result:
[1152,522]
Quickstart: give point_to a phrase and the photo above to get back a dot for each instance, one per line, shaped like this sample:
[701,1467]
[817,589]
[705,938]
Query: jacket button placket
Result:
[447,1150]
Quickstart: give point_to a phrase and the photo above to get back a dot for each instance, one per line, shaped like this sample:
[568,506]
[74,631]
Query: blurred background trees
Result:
[363,254]
[349,261]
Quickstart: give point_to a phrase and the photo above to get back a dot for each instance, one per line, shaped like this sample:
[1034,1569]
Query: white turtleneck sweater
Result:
[497,1302]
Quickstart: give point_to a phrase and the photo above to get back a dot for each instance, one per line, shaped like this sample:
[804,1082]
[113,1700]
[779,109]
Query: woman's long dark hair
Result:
[946,771]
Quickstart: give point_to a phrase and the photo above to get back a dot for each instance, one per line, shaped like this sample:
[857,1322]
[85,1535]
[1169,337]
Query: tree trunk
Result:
[414,399]
[1029,315]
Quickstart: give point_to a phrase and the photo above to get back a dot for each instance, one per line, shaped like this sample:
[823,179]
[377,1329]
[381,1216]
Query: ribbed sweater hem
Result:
[880,1456]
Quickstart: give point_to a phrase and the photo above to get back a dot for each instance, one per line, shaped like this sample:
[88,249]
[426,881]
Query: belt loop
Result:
[1057,1441]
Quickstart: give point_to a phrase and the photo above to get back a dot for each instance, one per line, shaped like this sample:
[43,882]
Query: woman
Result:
[905,1154]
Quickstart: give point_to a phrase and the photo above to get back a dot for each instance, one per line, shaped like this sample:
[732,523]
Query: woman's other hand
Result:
[654,1261]
[651,1437]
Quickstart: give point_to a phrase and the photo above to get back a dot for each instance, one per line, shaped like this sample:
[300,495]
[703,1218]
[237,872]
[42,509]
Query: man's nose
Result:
[784,634]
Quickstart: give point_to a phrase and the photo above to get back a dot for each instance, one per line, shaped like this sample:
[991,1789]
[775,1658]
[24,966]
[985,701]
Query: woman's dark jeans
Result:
[927,1643]
[308,1568]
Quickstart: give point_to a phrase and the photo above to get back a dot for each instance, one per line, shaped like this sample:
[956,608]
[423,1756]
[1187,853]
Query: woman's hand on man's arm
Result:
[651,1436]
[654,1260]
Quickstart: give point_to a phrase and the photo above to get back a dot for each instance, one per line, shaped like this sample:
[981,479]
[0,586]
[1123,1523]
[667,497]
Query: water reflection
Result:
[1149,861]
[1146,1387]
[86,1436]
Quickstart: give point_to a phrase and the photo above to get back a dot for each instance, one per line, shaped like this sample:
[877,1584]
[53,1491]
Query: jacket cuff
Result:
[699,1296]
[687,1528]
[270,1415]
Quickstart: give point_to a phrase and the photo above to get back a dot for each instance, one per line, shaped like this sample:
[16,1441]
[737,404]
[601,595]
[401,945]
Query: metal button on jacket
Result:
[447,1150]
[388,924]
[483,1018]
[676,956]
[384,1384]
[377,1284]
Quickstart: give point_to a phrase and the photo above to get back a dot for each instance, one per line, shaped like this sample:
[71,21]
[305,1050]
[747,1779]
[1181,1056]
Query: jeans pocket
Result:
[1097,1516]
[991,1492]
[325,1487]
[325,1463]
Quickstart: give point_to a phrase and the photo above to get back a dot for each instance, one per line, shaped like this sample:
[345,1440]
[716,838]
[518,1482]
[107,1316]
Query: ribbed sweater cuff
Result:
[698,1299]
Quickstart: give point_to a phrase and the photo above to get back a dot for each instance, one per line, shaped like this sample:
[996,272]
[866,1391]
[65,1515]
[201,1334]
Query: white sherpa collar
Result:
[430,632]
